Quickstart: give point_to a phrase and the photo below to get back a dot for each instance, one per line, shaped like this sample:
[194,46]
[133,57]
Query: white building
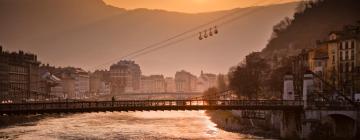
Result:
[74,83]
[152,84]
[185,81]
[125,77]
[104,88]
[206,81]
[170,85]
[82,84]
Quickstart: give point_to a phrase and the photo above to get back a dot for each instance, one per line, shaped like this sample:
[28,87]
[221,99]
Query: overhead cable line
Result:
[156,46]
[194,34]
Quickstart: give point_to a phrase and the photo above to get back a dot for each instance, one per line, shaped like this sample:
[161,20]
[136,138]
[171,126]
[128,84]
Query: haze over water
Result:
[122,125]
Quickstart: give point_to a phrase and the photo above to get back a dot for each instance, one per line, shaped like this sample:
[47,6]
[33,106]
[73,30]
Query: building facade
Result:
[185,81]
[19,74]
[74,83]
[335,61]
[170,85]
[82,84]
[152,84]
[206,81]
[100,82]
[125,76]
[52,81]
[48,82]
[343,63]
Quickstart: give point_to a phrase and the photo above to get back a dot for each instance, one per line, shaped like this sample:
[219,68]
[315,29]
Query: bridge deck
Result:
[147,105]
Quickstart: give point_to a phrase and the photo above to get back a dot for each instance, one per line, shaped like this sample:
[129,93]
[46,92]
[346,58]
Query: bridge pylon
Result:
[318,116]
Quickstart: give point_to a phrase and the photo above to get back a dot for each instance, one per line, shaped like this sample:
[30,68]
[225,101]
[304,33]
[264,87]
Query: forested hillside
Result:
[261,74]
[312,21]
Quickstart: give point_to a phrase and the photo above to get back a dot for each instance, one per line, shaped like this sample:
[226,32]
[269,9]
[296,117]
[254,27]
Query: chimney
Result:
[21,52]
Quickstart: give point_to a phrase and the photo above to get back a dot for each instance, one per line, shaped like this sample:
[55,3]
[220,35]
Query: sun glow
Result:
[190,6]
[199,1]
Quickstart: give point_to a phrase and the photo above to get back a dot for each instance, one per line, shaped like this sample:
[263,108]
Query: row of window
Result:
[347,67]
[18,69]
[18,78]
[347,55]
[347,45]
[120,71]
[18,88]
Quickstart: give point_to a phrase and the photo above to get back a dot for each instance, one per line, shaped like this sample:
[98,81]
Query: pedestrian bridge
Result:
[158,105]
[146,105]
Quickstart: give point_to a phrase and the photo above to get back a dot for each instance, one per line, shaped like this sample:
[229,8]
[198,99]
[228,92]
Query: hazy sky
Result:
[94,35]
[191,6]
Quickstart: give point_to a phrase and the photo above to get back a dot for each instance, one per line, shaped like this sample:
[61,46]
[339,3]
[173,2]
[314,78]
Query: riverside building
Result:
[19,76]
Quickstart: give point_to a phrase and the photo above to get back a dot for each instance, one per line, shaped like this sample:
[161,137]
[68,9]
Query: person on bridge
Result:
[113,100]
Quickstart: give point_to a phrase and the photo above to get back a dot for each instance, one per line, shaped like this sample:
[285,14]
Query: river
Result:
[121,125]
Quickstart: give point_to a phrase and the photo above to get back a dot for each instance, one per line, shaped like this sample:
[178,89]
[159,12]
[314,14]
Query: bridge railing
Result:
[333,105]
[145,103]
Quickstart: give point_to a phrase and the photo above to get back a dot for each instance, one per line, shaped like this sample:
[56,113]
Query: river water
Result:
[122,125]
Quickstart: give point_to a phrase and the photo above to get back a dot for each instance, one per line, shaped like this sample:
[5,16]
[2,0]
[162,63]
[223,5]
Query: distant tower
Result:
[307,86]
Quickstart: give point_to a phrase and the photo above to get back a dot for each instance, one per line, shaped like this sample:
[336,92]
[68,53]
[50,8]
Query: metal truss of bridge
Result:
[160,105]
[146,105]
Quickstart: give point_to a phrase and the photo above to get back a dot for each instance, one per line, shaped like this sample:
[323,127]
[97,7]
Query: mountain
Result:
[88,33]
[312,24]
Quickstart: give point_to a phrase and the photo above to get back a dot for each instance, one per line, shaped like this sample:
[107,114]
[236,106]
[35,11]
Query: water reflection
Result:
[122,125]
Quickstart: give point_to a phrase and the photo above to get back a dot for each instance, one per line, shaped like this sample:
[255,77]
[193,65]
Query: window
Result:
[346,45]
[341,55]
[341,67]
[346,55]
[352,44]
[341,45]
[332,37]
[352,66]
[349,54]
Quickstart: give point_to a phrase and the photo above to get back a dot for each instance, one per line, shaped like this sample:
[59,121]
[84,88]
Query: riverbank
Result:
[6,121]
[17,120]
[227,121]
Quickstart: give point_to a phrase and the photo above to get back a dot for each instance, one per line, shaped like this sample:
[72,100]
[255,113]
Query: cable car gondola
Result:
[200,37]
[205,34]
